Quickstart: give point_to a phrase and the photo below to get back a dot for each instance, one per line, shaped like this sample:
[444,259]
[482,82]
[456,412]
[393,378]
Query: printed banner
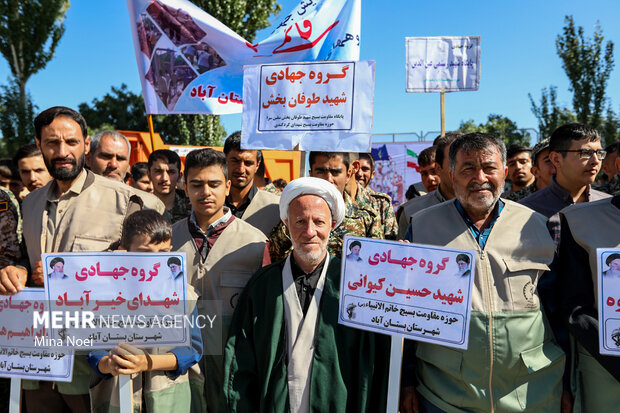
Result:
[396,167]
[23,353]
[324,106]
[415,291]
[449,64]
[98,300]
[189,62]
[608,264]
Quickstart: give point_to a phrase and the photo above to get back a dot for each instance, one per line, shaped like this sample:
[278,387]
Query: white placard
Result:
[320,106]
[608,264]
[449,63]
[136,298]
[23,353]
[419,292]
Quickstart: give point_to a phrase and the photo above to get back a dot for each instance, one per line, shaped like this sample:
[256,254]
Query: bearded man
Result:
[286,350]
[512,362]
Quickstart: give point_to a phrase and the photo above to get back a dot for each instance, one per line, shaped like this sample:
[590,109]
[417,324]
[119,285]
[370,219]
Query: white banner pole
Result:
[396,356]
[15,395]
[125,393]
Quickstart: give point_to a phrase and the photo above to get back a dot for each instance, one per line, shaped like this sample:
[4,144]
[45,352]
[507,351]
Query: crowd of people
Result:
[270,253]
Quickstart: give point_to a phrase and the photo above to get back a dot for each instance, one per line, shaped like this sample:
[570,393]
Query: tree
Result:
[588,66]
[244,17]
[122,109]
[12,119]
[587,70]
[550,116]
[30,31]
[498,125]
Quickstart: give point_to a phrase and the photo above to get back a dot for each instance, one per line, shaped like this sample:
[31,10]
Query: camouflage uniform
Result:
[270,187]
[10,229]
[611,187]
[521,193]
[357,221]
[181,208]
[382,204]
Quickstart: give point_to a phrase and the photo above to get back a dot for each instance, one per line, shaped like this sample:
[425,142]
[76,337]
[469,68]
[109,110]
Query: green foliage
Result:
[244,17]
[121,109]
[201,130]
[498,125]
[30,31]
[15,120]
[550,116]
[588,65]
[587,68]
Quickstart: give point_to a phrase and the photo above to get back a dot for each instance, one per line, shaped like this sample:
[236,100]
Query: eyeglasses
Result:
[586,154]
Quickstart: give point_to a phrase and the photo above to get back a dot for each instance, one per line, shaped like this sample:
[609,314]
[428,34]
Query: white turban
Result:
[313,186]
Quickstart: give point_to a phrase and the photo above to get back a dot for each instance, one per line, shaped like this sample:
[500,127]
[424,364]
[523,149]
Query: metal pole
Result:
[442,100]
[149,119]
[396,357]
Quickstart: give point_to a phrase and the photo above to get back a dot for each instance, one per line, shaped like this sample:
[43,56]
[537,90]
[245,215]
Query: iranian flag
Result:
[410,162]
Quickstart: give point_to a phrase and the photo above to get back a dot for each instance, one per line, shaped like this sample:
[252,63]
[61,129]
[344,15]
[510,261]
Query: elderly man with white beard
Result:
[512,363]
[286,351]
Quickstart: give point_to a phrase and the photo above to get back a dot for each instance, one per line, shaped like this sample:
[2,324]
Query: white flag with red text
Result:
[189,62]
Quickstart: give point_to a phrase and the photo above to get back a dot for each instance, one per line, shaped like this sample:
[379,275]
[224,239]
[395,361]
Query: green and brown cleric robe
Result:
[350,366]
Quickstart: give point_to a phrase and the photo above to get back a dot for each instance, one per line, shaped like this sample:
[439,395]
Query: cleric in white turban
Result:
[286,351]
[313,186]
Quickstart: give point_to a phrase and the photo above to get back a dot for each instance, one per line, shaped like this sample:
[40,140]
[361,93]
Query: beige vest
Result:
[411,207]
[263,212]
[235,257]
[516,254]
[594,225]
[150,201]
[91,222]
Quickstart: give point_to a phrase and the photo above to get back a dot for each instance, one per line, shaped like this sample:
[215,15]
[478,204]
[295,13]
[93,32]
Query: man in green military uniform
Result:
[10,229]
[286,351]
[359,220]
[367,197]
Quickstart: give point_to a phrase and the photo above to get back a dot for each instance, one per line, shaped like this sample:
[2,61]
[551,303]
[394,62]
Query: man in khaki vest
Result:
[77,211]
[443,192]
[586,227]
[512,363]
[109,157]
[222,254]
[257,208]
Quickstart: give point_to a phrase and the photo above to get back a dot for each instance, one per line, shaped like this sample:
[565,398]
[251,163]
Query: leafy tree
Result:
[244,17]
[498,125]
[123,109]
[588,64]
[120,108]
[13,116]
[587,68]
[30,31]
[550,116]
